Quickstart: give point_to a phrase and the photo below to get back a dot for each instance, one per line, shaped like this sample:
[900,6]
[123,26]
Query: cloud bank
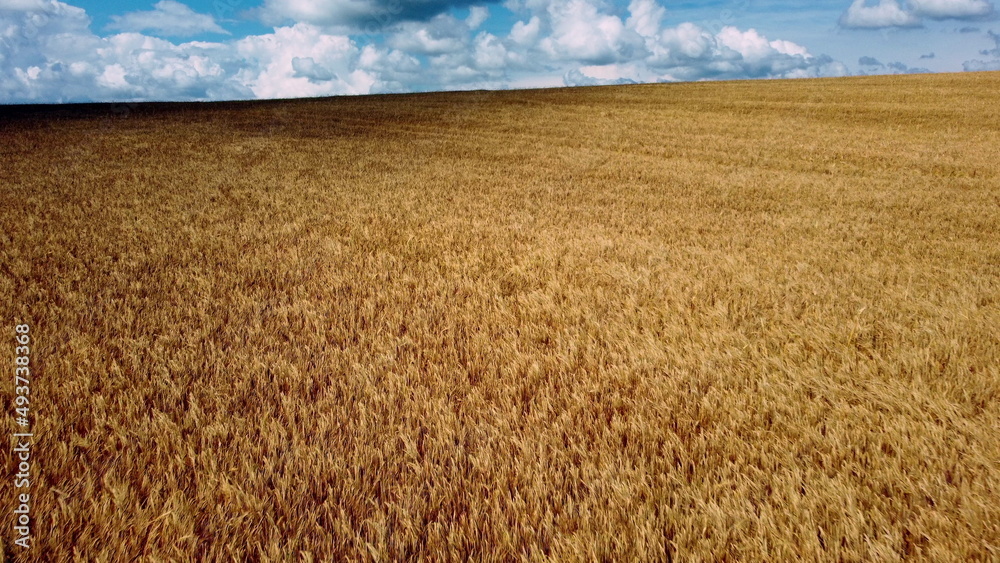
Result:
[48,52]
[891,13]
[169,18]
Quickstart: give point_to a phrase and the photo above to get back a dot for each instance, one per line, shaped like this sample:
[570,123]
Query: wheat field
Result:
[731,321]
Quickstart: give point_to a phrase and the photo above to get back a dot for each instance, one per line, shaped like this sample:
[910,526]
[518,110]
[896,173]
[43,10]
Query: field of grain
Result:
[696,322]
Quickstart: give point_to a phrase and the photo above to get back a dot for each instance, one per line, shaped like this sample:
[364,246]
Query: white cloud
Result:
[48,53]
[490,53]
[887,13]
[689,52]
[890,13]
[307,67]
[112,78]
[477,15]
[22,5]
[789,48]
[526,33]
[396,70]
[752,46]
[443,34]
[581,32]
[272,73]
[457,57]
[169,18]
[952,9]
[645,17]
[683,44]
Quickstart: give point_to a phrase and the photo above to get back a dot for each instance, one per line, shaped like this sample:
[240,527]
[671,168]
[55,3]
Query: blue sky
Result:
[87,50]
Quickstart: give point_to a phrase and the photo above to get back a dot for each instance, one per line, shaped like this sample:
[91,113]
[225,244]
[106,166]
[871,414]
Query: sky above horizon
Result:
[89,50]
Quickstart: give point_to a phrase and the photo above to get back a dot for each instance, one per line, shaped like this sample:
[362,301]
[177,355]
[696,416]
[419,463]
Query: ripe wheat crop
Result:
[696,322]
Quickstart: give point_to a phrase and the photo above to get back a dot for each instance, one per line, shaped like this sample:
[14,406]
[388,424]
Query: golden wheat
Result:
[716,321]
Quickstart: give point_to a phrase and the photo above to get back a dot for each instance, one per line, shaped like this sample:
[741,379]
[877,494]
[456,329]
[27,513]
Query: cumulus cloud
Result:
[869,61]
[477,15]
[489,54]
[890,13]
[442,34]
[690,52]
[887,13]
[396,71]
[580,32]
[169,18]
[307,67]
[48,53]
[327,64]
[597,46]
[930,55]
[645,17]
[952,9]
[457,55]
[484,62]
[587,42]
[526,33]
